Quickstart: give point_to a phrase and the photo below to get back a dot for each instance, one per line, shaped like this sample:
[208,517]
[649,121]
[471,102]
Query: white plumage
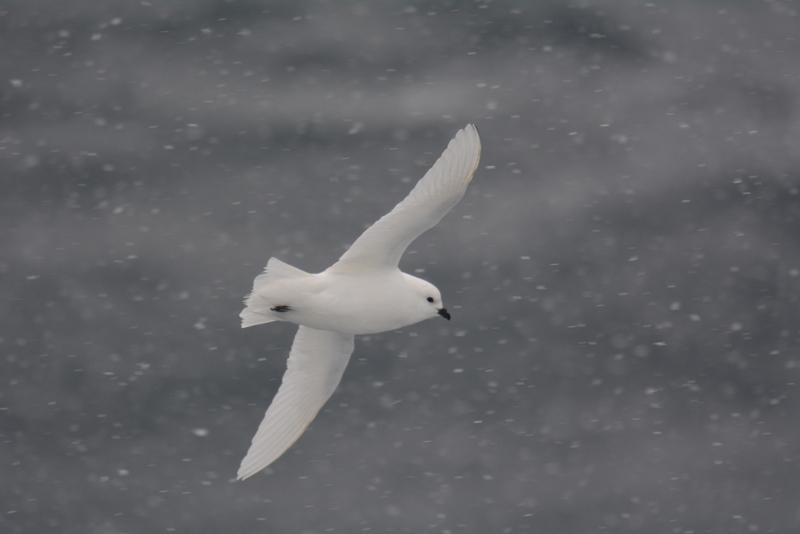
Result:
[363,293]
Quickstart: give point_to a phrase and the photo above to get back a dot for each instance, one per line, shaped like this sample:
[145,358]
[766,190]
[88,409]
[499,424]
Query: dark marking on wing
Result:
[280,308]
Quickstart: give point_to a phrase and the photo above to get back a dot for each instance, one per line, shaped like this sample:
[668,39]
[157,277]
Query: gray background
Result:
[623,272]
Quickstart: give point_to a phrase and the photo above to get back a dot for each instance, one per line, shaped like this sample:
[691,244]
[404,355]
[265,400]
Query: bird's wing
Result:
[316,363]
[382,244]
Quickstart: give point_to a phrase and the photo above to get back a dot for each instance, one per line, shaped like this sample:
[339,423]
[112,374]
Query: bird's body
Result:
[363,293]
[349,301]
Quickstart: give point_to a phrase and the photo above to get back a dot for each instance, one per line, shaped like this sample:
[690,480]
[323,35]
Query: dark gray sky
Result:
[623,273]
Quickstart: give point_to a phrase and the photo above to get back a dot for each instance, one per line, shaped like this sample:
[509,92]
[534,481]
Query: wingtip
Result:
[471,140]
[472,128]
[470,131]
[246,471]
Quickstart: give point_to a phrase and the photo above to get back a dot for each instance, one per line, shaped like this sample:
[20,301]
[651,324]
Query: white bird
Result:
[363,293]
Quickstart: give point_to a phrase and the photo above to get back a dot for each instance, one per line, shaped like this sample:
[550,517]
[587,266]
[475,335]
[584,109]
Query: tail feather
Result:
[257,309]
[250,317]
[277,270]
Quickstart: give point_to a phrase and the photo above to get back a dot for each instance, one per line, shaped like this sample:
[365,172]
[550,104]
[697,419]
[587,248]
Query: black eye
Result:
[430,299]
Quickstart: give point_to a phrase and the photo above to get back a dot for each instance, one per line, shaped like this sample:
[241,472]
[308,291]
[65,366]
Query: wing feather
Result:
[442,187]
[315,367]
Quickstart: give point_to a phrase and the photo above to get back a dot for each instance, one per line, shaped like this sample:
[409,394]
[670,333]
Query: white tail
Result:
[256,308]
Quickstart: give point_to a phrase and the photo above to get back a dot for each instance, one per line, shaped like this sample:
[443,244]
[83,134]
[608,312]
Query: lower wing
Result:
[315,367]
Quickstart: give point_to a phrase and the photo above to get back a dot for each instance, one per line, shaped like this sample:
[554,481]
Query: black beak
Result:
[443,313]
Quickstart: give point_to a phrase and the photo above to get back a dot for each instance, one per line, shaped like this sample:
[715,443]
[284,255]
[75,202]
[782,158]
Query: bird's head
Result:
[426,300]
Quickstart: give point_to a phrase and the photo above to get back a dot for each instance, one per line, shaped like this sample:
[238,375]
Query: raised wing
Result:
[383,243]
[316,363]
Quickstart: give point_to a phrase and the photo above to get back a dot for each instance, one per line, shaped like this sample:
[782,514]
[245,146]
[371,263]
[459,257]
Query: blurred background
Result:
[623,272]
